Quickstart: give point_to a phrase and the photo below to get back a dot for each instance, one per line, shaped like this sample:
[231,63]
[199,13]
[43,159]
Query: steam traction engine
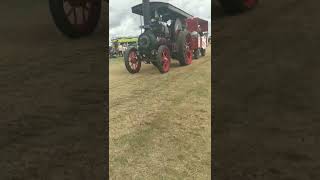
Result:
[168,32]
[78,18]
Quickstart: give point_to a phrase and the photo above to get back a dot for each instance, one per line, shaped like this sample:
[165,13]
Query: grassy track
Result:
[160,123]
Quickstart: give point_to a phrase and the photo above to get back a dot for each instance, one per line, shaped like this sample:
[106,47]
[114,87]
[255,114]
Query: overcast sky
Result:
[122,22]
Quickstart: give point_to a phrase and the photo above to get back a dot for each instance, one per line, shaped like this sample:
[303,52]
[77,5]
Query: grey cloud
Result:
[122,22]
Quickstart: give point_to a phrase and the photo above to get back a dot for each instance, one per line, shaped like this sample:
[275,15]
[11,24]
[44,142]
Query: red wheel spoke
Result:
[133,61]
[165,60]
[132,65]
[81,22]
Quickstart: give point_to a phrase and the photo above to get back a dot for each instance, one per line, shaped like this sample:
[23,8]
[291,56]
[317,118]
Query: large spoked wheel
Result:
[75,18]
[184,48]
[235,6]
[131,60]
[163,59]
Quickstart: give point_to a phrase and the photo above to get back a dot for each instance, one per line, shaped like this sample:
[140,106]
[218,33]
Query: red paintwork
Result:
[192,27]
[194,43]
[165,61]
[78,13]
[192,24]
[133,60]
[250,3]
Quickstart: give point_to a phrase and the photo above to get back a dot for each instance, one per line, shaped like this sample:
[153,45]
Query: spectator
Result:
[116,47]
[124,48]
[120,47]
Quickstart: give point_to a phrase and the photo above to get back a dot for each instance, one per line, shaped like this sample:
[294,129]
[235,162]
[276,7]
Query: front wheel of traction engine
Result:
[75,18]
[131,60]
[163,59]
[184,48]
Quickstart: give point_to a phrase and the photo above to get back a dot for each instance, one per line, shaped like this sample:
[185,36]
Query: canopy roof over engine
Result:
[167,11]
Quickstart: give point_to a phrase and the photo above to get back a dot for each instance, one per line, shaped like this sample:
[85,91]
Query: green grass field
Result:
[160,123]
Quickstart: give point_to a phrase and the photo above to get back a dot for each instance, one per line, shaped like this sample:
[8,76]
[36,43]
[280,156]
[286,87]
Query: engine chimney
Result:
[146,13]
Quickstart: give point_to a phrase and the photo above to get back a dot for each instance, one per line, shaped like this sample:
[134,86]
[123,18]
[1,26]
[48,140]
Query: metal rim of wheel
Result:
[133,61]
[165,60]
[79,13]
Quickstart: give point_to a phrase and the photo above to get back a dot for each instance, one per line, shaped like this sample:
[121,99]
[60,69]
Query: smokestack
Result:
[146,12]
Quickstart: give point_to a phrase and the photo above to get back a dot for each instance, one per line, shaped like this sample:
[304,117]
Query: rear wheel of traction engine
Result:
[131,60]
[75,18]
[236,6]
[203,52]
[184,48]
[163,59]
